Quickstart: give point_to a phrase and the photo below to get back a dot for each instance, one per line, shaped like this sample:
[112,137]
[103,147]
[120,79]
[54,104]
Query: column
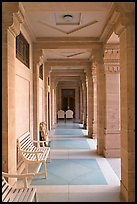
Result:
[53,104]
[125,29]
[46,79]
[89,102]
[10,29]
[98,60]
[81,104]
[94,78]
[84,96]
[38,60]
[112,126]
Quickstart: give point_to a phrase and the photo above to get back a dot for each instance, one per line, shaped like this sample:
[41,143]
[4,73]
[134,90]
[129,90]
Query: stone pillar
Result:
[12,18]
[50,103]
[77,102]
[37,61]
[53,102]
[81,104]
[46,76]
[84,97]
[112,128]
[98,58]
[89,102]
[125,29]
[94,78]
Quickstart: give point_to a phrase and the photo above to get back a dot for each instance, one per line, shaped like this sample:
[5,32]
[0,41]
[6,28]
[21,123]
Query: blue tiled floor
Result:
[71,172]
[68,132]
[69,144]
[76,172]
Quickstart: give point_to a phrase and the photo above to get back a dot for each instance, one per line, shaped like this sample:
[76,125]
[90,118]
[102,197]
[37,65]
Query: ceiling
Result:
[67,20]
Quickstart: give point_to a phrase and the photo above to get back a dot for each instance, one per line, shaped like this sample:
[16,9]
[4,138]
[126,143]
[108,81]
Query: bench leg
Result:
[45,169]
[49,157]
[35,198]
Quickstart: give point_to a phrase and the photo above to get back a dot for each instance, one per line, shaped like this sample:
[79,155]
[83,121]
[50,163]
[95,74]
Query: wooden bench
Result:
[21,194]
[33,154]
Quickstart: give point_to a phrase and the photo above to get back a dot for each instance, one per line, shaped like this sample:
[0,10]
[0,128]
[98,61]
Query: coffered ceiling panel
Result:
[85,21]
[54,22]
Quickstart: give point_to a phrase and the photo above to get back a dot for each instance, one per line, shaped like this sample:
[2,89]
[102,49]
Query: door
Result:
[68,99]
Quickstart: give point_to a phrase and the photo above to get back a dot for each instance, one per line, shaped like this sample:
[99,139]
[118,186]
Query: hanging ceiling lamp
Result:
[68,18]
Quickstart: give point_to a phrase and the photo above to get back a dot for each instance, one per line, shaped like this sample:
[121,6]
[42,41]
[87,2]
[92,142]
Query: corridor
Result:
[76,172]
[60,57]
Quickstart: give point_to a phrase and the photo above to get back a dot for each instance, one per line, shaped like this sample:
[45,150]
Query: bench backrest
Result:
[69,114]
[5,186]
[25,143]
[61,114]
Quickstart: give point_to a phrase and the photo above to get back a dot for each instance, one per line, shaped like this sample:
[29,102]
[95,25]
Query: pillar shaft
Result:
[98,57]
[112,115]
[125,29]
[89,102]
[10,29]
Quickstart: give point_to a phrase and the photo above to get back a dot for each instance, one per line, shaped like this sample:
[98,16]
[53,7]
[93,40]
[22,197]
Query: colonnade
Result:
[115,132]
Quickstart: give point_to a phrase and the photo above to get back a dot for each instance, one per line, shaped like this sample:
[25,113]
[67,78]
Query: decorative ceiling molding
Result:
[68,54]
[67,39]
[82,26]
[71,31]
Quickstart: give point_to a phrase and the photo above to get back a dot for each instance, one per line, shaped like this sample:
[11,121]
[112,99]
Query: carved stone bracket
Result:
[18,18]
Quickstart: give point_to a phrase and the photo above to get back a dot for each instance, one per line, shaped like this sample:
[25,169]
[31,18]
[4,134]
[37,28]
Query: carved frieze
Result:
[112,69]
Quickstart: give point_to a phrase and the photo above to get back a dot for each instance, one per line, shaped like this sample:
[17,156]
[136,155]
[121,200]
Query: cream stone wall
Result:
[24,93]
[22,103]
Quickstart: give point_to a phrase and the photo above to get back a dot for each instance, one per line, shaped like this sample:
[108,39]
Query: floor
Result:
[76,173]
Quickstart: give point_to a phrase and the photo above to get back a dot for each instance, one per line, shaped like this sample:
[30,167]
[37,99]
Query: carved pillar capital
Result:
[98,55]
[18,18]
[126,18]
[38,56]
[88,72]
[15,17]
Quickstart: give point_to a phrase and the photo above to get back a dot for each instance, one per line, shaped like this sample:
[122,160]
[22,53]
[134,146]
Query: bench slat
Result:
[31,153]
[12,194]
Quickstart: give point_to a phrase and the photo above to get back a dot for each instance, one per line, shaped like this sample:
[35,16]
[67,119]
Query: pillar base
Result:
[94,135]
[128,196]
[113,153]
[90,134]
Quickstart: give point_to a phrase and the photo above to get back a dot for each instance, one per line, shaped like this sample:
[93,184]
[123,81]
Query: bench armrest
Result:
[42,142]
[19,176]
[33,152]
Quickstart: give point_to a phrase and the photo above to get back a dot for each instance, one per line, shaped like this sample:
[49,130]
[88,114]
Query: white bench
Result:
[69,114]
[33,154]
[21,194]
[61,114]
